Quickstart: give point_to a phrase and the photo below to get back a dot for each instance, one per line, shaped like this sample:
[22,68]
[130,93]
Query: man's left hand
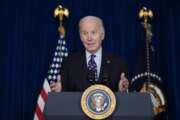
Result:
[123,83]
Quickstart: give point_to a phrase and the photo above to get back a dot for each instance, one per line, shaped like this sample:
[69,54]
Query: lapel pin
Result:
[108,61]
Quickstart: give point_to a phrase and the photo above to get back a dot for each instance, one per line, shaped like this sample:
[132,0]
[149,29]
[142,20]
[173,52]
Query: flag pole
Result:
[54,70]
[146,15]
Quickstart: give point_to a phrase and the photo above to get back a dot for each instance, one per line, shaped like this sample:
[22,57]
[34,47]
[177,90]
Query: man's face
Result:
[91,35]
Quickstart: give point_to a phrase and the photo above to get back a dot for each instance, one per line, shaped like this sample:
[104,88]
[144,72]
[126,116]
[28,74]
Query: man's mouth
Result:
[91,44]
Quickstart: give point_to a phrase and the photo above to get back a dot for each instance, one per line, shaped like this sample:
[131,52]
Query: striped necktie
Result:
[92,68]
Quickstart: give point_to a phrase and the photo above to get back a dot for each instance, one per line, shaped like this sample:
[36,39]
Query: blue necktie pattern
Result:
[92,66]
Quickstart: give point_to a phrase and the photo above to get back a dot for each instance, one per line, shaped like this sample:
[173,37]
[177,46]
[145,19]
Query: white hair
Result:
[99,20]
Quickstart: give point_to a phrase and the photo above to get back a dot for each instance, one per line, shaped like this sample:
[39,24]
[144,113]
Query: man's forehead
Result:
[90,25]
[89,29]
[91,22]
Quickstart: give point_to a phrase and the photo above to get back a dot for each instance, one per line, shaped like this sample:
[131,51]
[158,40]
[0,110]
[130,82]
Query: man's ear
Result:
[102,35]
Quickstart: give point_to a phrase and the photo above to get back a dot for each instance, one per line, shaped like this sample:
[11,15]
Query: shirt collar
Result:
[98,53]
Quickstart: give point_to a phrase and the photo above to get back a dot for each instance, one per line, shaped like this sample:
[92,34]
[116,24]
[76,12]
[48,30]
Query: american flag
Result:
[54,70]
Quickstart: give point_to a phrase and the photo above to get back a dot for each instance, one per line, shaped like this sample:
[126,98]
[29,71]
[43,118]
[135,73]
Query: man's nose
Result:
[89,36]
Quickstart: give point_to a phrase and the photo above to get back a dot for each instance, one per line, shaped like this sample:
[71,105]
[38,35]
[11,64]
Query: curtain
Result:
[28,36]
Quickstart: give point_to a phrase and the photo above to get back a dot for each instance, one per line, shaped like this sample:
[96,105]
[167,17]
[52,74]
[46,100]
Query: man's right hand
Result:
[56,86]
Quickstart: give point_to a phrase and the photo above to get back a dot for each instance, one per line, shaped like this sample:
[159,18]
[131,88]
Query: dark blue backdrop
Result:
[28,36]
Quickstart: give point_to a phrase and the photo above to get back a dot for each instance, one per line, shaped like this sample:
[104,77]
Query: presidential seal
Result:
[98,102]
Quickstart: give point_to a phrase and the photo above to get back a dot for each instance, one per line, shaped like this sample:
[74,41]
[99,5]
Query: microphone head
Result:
[91,76]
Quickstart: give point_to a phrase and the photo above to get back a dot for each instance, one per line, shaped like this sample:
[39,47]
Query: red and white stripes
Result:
[41,101]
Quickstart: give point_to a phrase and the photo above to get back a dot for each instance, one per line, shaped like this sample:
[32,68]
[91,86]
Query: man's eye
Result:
[93,32]
[84,33]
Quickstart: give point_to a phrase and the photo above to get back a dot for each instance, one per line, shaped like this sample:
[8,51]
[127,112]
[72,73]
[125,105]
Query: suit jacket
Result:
[74,74]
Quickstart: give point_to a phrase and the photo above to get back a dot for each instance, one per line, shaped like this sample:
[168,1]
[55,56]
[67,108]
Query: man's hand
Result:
[56,86]
[123,83]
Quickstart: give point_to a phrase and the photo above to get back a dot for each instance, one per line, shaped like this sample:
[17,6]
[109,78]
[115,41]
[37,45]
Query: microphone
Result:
[91,76]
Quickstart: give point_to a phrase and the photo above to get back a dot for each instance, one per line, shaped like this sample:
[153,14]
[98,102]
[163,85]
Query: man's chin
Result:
[91,50]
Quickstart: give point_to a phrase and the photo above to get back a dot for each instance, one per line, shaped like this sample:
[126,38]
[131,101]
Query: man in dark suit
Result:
[92,65]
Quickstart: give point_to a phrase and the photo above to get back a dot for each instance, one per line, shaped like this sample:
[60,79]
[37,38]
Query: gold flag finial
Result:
[145,14]
[61,12]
